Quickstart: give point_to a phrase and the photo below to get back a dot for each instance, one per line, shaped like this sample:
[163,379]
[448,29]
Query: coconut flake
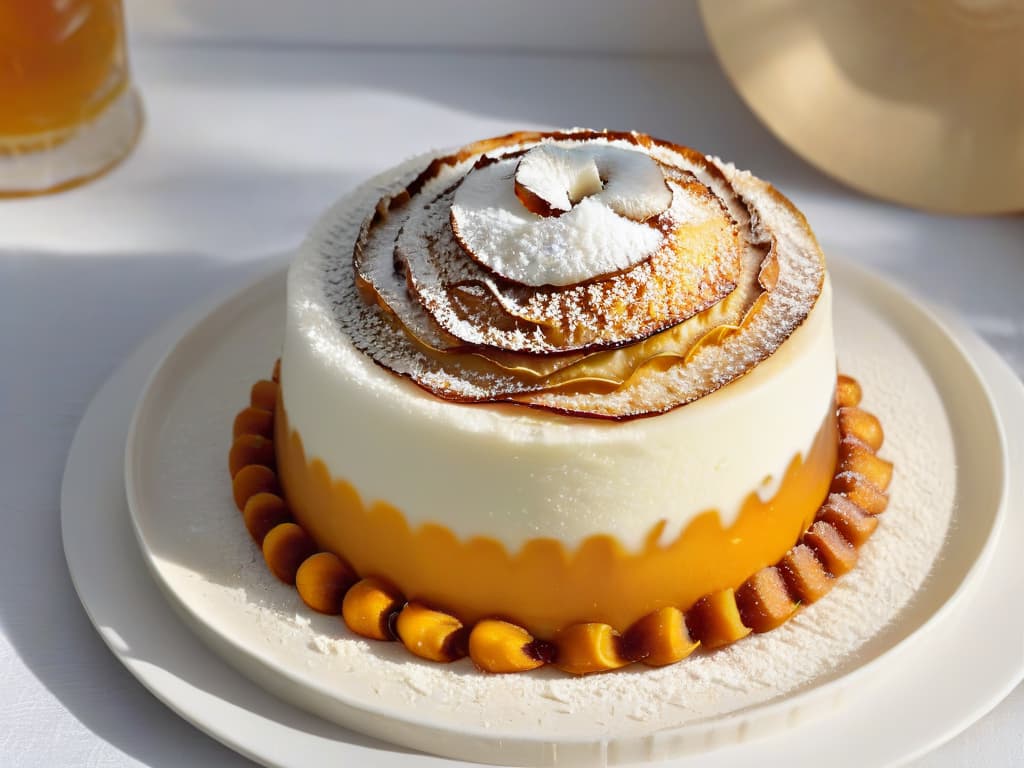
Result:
[557,177]
[588,241]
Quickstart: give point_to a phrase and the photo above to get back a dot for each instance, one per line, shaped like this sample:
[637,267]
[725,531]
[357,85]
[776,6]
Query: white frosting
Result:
[513,473]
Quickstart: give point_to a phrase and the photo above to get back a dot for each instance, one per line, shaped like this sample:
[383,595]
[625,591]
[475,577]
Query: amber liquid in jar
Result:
[67,110]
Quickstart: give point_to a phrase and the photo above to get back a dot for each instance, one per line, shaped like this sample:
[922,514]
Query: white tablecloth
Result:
[243,148]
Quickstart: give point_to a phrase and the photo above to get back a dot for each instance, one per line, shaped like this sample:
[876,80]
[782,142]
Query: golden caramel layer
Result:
[543,587]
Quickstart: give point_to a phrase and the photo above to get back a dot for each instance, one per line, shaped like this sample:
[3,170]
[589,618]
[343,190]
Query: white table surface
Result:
[243,148]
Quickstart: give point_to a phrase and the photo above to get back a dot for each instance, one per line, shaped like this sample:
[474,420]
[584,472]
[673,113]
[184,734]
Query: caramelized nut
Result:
[862,425]
[848,392]
[368,607]
[284,548]
[659,638]
[855,456]
[715,619]
[851,521]
[861,492]
[250,449]
[262,512]
[430,634]
[322,581]
[587,648]
[264,395]
[251,480]
[276,376]
[805,576]
[835,553]
[500,646]
[253,421]
[763,600]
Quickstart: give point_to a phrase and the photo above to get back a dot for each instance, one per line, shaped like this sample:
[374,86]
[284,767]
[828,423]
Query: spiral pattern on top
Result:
[592,273]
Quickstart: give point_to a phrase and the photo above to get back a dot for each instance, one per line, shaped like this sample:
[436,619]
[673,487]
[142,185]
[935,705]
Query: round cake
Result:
[404,444]
[565,396]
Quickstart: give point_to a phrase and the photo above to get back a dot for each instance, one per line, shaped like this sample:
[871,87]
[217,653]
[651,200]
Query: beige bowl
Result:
[916,101]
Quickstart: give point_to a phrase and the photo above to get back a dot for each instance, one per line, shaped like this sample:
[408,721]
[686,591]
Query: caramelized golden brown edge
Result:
[665,289]
[376,610]
[492,371]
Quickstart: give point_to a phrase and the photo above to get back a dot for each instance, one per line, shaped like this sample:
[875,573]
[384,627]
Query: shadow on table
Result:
[67,321]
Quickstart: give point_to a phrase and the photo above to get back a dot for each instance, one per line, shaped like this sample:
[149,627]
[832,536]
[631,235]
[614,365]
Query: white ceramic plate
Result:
[193,541]
[125,607]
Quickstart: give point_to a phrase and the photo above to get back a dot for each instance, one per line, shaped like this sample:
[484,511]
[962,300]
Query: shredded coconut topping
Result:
[734,271]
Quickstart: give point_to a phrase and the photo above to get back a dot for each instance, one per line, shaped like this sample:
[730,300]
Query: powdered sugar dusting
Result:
[345,318]
[475,308]
[801,271]
[431,313]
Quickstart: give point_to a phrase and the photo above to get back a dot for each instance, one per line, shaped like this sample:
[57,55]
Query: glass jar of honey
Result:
[68,111]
